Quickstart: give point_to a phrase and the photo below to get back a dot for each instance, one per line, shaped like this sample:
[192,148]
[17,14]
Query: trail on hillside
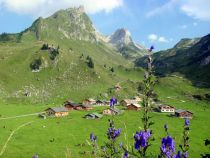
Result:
[10,136]
[19,116]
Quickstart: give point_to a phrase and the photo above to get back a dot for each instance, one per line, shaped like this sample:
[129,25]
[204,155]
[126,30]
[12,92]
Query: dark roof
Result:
[59,109]
[68,101]
[99,101]
[115,110]
[86,106]
[180,111]
[161,105]
[73,104]
[90,99]
[95,114]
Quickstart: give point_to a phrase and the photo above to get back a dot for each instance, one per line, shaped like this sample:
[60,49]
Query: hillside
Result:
[190,58]
[32,73]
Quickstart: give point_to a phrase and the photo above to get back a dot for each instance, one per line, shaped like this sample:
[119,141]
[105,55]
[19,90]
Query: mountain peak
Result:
[121,36]
[80,9]
[72,23]
[122,40]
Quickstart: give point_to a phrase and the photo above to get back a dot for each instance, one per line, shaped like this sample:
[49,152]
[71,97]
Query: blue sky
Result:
[159,22]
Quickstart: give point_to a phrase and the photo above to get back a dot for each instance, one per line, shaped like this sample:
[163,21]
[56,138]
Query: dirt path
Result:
[10,136]
[19,116]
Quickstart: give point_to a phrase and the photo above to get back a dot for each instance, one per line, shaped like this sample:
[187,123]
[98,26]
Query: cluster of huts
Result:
[129,104]
[69,105]
[164,108]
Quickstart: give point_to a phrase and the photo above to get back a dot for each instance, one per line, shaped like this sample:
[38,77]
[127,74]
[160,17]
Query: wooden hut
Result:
[137,98]
[72,106]
[57,111]
[166,108]
[134,106]
[126,102]
[99,102]
[111,111]
[86,107]
[89,102]
[93,116]
[183,113]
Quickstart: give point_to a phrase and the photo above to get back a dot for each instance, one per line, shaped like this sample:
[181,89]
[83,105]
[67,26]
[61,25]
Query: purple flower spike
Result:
[113,101]
[168,146]
[187,122]
[141,139]
[151,48]
[93,137]
[125,154]
[113,133]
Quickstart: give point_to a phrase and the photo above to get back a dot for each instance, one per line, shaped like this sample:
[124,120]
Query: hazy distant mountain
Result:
[122,40]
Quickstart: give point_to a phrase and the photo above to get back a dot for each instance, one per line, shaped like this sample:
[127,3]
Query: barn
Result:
[57,111]
[99,102]
[86,107]
[166,108]
[137,98]
[134,106]
[183,113]
[72,106]
[89,101]
[94,115]
[126,102]
[111,111]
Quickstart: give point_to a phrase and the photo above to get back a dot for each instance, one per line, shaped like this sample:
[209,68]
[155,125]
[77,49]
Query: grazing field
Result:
[58,137]
[54,137]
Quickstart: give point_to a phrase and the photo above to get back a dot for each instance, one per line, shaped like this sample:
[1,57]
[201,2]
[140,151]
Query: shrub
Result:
[45,47]
[53,54]
[36,64]
[90,62]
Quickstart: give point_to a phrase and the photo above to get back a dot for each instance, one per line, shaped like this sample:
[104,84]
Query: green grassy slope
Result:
[66,77]
[188,57]
[70,131]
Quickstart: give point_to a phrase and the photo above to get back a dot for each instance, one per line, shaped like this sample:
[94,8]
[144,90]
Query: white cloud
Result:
[47,7]
[163,39]
[197,9]
[152,37]
[156,38]
[164,8]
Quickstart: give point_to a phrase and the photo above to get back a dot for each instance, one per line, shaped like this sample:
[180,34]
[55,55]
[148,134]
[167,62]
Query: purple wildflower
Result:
[113,101]
[125,154]
[151,48]
[167,146]
[187,122]
[113,133]
[181,155]
[141,139]
[93,137]
[35,156]
[185,155]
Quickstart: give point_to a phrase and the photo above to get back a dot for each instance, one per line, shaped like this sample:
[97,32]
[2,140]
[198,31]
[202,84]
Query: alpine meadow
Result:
[69,91]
